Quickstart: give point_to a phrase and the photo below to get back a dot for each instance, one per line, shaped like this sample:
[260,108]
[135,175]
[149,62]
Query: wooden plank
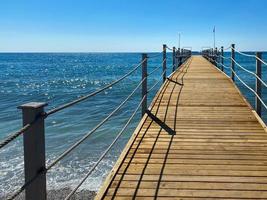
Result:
[218,151]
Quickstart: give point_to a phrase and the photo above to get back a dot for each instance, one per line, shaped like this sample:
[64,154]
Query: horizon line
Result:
[3,52]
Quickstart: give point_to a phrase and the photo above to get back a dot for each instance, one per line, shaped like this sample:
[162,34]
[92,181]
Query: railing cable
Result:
[94,93]
[65,153]
[223,65]
[227,48]
[13,136]
[262,61]
[228,58]
[244,54]
[107,150]
[66,105]
[157,54]
[262,102]
[169,48]
[156,68]
[158,80]
[250,72]
[249,55]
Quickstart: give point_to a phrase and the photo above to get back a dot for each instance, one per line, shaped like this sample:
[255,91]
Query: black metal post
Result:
[222,60]
[258,83]
[34,150]
[232,62]
[173,59]
[144,84]
[164,60]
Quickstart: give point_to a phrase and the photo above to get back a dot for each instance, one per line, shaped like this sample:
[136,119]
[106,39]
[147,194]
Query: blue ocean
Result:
[58,78]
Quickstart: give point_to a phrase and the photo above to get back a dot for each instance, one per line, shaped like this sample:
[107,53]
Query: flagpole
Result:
[214,37]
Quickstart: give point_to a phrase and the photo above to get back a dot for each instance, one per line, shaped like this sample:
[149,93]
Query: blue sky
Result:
[136,25]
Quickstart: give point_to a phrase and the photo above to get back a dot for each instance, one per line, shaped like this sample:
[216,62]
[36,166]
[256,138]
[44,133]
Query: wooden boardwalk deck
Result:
[201,140]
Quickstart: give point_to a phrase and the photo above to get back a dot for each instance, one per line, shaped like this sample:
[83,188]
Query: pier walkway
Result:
[199,139]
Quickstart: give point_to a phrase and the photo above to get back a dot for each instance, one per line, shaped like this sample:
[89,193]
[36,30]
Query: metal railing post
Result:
[258,84]
[182,56]
[176,59]
[173,59]
[232,62]
[215,57]
[210,57]
[144,84]
[222,61]
[179,57]
[164,65]
[34,150]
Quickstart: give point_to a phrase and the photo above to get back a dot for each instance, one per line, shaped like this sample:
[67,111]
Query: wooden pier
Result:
[199,139]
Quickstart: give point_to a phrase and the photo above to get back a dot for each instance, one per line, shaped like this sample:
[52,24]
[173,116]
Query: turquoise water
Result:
[57,78]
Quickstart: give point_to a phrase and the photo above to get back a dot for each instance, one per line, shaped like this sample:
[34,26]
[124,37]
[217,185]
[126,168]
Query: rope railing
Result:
[250,72]
[243,54]
[65,153]
[109,147]
[158,80]
[40,117]
[209,54]
[228,58]
[158,67]
[22,188]
[157,54]
[107,150]
[249,55]
[13,136]
[223,65]
[94,93]
[19,132]
[169,48]
[262,61]
[262,102]
[265,106]
[227,48]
